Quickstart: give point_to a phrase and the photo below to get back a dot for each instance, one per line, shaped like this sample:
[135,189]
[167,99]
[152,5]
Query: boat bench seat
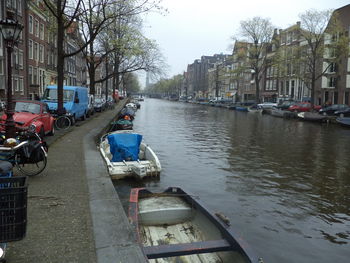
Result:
[173,250]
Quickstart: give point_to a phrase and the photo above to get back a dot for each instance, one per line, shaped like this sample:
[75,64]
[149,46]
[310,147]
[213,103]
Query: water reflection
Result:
[284,184]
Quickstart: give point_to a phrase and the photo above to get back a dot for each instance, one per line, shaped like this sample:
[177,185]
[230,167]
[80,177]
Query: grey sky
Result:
[193,28]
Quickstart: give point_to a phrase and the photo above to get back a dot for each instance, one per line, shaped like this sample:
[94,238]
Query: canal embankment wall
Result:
[74,212]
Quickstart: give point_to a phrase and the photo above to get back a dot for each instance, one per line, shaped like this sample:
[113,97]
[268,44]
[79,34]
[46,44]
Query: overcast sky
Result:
[193,28]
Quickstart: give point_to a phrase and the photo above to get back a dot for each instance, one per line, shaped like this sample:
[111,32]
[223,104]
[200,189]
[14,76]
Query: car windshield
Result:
[51,94]
[27,107]
[98,100]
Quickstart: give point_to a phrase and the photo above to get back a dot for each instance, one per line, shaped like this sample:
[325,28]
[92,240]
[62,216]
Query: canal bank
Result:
[74,213]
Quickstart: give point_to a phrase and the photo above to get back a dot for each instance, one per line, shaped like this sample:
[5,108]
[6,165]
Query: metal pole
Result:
[10,124]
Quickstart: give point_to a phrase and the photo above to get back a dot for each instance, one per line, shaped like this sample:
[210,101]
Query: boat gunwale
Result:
[232,237]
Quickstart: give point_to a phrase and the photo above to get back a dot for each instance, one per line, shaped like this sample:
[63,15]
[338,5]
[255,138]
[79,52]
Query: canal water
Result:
[284,184]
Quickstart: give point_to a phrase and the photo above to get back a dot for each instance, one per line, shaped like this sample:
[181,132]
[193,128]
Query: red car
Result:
[303,107]
[31,111]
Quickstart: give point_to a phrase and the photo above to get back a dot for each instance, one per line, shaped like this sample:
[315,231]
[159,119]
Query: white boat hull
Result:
[148,164]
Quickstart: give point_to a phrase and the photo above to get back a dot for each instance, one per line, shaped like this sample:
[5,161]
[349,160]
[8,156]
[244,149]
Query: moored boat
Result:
[278,113]
[311,116]
[345,121]
[255,110]
[174,227]
[127,155]
[241,108]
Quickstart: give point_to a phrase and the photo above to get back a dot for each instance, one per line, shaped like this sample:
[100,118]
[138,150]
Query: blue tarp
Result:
[124,146]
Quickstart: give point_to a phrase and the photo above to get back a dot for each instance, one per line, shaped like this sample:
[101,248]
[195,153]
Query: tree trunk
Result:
[60,60]
[257,88]
[92,69]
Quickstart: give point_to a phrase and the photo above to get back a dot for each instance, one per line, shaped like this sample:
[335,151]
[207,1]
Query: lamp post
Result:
[10,31]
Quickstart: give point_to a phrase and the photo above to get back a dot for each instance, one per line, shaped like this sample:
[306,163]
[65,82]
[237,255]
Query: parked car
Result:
[343,113]
[32,112]
[284,105]
[91,109]
[75,100]
[267,105]
[99,104]
[330,110]
[303,107]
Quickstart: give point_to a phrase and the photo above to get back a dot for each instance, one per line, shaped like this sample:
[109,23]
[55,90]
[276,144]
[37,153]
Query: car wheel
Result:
[83,118]
[42,132]
[52,132]
[73,119]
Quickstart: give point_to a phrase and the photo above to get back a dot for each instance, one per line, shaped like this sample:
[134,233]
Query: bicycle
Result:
[62,122]
[27,152]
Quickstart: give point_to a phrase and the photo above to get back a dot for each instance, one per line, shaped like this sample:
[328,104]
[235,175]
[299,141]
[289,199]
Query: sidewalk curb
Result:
[115,240]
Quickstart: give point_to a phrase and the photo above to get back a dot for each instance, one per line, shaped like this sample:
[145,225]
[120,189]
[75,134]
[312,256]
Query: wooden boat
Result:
[345,121]
[125,158]
[311,116]
[174,227]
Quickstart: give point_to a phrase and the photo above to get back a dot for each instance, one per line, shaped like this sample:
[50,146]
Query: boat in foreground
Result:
[174,227]
[126,155]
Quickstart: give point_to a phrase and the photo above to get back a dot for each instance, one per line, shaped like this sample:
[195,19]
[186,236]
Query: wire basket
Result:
[13,208]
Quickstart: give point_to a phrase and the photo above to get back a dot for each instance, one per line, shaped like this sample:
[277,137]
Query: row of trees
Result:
[110,32]
[321,37]
[171,86]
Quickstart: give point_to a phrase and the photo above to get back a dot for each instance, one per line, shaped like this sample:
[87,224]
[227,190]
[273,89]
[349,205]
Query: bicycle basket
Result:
[13,208]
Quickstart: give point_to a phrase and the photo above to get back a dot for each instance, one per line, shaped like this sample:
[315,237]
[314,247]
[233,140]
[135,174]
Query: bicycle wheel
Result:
[34,167]
[62,123]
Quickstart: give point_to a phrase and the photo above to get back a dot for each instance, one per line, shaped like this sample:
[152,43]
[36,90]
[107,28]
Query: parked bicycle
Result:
[27,152]
[62,121]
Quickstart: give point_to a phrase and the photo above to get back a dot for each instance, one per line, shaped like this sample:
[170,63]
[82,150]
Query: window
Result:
[332,68]
[41,53]
[36,28]
[332,82]
[30,49]
[36,51]
[15,84]
[20,84]
[35,76]
[30,75]
[335,97]
[1,66]
[287,87]
[346,98]
[30,24]
[42,32]
[20,59]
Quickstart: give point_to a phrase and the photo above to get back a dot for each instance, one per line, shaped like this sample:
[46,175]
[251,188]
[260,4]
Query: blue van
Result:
[75,100]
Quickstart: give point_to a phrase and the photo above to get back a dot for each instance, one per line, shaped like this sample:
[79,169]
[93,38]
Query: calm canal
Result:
[284,184]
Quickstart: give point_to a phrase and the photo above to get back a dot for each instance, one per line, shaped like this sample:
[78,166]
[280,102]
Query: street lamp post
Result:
[10,31]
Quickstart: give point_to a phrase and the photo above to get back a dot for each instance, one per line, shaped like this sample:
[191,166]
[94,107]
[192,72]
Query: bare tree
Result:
[92,16]
[258,33]
[324,39]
